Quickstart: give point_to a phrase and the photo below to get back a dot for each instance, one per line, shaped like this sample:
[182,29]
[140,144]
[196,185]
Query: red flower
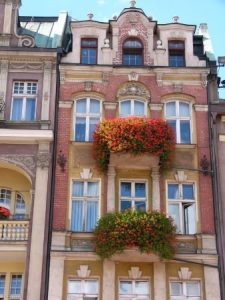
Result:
[4,213]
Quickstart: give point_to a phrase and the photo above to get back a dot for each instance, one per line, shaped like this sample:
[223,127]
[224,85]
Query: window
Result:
[134,290]
[185,290]
[87,116]
[20,209]
[85,206]
[89,51]
[182,207]
[24,101]
[2,286]
[132,108]
[16,287]
[178,116]
[83,289]
[133,195]
[5,198]
[132,53]
[176,54]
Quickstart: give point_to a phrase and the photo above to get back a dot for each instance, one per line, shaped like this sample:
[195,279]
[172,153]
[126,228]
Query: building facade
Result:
[133,66]
[28,73]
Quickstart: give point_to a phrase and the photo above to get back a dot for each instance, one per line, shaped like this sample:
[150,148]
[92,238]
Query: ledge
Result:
[186,146]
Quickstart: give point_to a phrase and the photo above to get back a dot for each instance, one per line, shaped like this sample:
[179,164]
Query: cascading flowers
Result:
[151,232]
[134,135]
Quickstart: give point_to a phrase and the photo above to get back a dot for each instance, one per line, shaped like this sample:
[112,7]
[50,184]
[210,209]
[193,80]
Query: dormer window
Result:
[89,51]
[132,53]
[176,54]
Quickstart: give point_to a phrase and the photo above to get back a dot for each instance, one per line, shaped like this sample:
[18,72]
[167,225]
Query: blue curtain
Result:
[17,109]
[92,215]
[30,109]
[77,216]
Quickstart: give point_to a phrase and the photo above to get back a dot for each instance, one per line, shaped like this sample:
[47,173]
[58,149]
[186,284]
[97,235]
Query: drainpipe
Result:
[54,158]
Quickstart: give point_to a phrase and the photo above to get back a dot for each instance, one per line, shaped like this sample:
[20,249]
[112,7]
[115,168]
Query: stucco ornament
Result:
[184,274]
[2,102]
[83,272]
[134,273]
[133,89]
[43,160]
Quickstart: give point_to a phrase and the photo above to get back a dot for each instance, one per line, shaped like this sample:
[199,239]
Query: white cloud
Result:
[101,2]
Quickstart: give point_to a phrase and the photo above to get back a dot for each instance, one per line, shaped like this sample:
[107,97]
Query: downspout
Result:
[217,202]
[54,158]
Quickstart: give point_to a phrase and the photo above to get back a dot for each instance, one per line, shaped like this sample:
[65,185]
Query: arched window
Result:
[132,52]
[5,198]
[178,115]
[20,205]
[87,116]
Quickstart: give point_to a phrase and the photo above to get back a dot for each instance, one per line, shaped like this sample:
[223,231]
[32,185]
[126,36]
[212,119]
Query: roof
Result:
[48,32]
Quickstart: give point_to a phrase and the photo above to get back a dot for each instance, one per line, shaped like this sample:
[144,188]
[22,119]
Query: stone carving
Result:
[133,76]
[88,85]
[184,274]
[26,41]
[82,245]
[186,247]
[159,44]
[105,76]
[180,176]
[26,162]
[133,89]
[2,102]
[159,79]
[134,273]
[178,87]
[132,32]
[106,43]
[43,159]
[83,272]
[86,174]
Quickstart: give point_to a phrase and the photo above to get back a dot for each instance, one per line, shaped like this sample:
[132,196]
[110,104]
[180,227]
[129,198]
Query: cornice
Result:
[20,136]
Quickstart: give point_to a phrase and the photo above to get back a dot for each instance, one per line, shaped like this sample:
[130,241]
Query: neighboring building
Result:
[130,66]
[217,124]
[28,72]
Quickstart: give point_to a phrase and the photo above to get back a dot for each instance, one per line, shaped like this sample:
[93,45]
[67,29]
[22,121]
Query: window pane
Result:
[171,109]
[125,287]
[92,126]
[173,191]
[184,109]
[139,108]
[92,215]
[18,88]
[88,56]
[5,198]
[2,284]
[176,60]
[141,287]
[140,190]
[16,283]
[189,218]
[132,44]
[74,287]
[81,106]
[17,109]
[93,189]
[94,106]
[91,287]
[173,124]
[125,205]
[174,213]
[89,43]
[185,135]
[77,216]
[32,88]
[80,129]
[125,189]
[78,189]
[140,205]
[193,289]
[176,289]
[125,108]
[132,59]
[188,191]
[20,203]
[30,109]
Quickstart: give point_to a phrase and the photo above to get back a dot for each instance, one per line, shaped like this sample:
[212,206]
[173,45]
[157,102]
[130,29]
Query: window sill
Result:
[186,146]
[39,124]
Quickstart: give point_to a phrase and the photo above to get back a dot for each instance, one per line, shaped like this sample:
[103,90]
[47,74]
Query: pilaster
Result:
[155,188]
[111,189]
[46,91]
[159,281]
[212,287]
[108,289]
[56,278]
[4,65]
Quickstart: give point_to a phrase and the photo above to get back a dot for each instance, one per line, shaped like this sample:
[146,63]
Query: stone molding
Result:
[156,106]
[110,105]
[65,104]
[199,107]
[25,136]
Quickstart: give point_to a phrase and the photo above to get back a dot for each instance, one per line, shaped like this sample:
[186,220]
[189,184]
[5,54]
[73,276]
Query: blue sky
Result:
[194,12]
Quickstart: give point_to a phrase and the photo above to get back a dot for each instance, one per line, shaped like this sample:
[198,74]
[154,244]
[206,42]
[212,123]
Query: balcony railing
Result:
[14,230]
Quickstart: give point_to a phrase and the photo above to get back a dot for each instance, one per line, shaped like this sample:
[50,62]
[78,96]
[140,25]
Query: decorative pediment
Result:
[83,272]
[133,89]
[184,274]
[134,273]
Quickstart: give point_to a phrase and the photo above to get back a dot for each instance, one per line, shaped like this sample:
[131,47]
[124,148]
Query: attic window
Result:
[132,52]
[176,54]
[89,51]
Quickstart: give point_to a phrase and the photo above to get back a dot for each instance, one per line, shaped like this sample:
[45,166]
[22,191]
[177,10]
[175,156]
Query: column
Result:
[108,290]
[111,189]
[38,224]
[56,278]
[212,285]
[159,281]
[155,188]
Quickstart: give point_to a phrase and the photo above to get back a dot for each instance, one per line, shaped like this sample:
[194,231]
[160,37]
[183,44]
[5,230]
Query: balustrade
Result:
[14,230]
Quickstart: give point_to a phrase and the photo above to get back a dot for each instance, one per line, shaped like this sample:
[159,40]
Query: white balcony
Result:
[14,230]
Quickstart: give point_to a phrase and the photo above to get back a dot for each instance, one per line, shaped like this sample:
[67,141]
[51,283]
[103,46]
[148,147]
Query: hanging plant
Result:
[134,135]
[4,213]
[151,232]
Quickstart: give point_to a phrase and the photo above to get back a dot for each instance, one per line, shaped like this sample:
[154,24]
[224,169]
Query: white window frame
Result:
[4,288]
[135,296]
[83,294]
[178,118]
[87,115]
[24,97]
[8,206]
[132,107]
[16,296]
[85,198]
[181,202]
[133,198]
[184,290]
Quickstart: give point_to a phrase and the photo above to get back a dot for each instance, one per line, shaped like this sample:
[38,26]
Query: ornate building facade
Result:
[28,73]
[133,66]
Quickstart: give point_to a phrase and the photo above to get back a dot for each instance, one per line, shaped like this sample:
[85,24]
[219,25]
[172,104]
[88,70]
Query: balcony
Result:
[14,230]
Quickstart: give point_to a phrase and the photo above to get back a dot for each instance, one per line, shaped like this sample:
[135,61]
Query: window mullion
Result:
[24,107]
